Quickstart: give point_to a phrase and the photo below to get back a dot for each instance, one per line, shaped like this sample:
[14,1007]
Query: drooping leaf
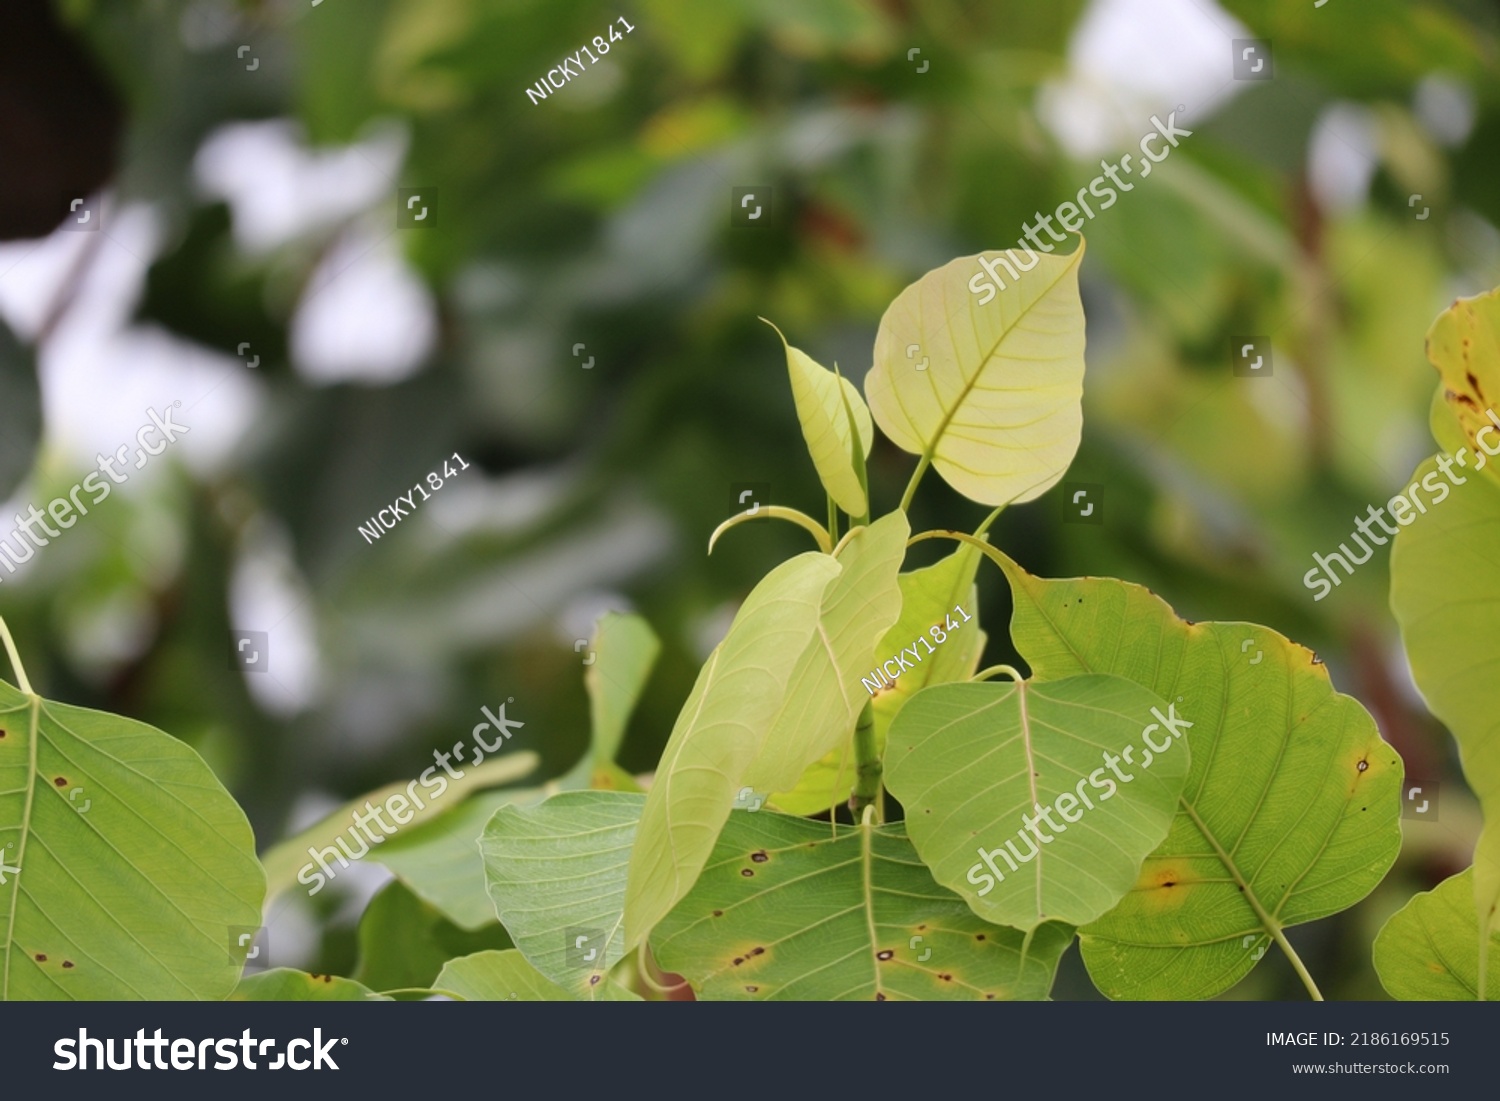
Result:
[785,912]
[404,942]
[557,873]
[128,868]
[1064,776]
[1429,949]
[824,698]
[1464,345]
[1445,582]
[824,404]
[1290,812]
[991,394]
[506,976]
[929,596]
[284,984]
[718,734]
[625,649]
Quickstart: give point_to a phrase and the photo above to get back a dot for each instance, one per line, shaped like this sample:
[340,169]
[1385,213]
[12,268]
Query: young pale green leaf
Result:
[1445,584]
[1064,776]
[126,866]
[624,649]
[404,942]
[283,984]
[506,976]
[557,872]
[933,596]
[785,912]
[990,394]
[1291,809]
[1464,345]
[1429,949]
[824,698]
[824,404]
[718,735]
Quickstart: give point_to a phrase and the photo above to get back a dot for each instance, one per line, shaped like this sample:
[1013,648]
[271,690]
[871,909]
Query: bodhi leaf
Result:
[825,402]
[785,912]
[556,872]
[997,776]
[929,596]
[506,976]
[718,734]
[126,866]
[283,984]
[1290,812]
[1429,949]
[1464,345]
[1445,583]
[991,394]
[778,693]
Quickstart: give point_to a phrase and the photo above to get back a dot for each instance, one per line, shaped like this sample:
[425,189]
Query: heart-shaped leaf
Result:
[126,870]
[825,402]
[1290,811]
[1429,949]
[991,395]
[783,911]
[1079,778]
[557,874]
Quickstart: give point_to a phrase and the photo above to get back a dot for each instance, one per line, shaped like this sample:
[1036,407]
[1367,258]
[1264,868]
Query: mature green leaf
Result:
[1445,582]
[557,873]
[1429,949]
[784,911]
[1291,809]
[979,766]
[506,976]
[991,394]
[283,984]
[404,942]
[777,694]
[825,402]
[127,866]
[1464,345]
[929,596]
[624,649]
[718,735]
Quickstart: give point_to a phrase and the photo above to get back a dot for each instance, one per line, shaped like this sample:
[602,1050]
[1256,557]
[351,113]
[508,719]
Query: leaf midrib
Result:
[32,734]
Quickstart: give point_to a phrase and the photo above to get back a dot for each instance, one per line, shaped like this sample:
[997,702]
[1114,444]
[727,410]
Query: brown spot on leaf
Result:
[989,997]
[978,936]
[760,857]
[594,979]
[747,872]
[41,957]
[67,964]
[61,781]
[879,997]
[752,989]
[946,977]
[1363,764]
[885,955]
[738,960]
[718,913]
[757,951]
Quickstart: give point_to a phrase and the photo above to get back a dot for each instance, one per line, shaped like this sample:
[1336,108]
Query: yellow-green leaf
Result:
[990,394]
[1429,949]
[820,396]
[1464,345]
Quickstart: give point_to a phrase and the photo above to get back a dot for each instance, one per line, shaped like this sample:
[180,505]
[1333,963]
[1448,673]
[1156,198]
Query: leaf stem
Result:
[15,659]
[868,771]
[916,477]
[833,519]
[988,520]
[986,674]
